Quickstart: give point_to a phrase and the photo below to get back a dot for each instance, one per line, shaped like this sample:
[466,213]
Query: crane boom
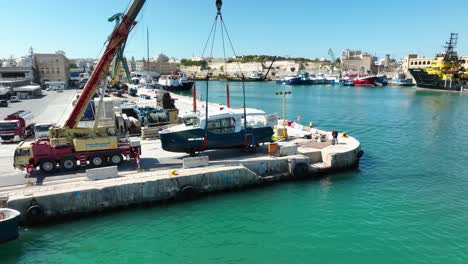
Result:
[117,38]
[269,68]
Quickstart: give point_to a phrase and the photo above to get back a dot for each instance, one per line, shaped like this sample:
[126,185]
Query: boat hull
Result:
[189,141]
[392,83]
[293,81]
[366,81]
[9,225]
[433,81]
[185,86]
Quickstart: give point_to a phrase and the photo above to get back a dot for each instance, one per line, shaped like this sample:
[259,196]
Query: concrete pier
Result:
[83,196]
[166,175]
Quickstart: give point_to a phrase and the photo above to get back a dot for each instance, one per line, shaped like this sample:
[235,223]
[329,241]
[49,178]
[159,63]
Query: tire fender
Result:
[35,213]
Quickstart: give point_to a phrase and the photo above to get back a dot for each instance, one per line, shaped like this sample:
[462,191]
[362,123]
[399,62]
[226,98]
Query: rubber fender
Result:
[301,170]
[34,214]
[360,154]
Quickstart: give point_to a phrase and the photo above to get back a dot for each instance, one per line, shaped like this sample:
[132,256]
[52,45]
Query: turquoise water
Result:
[407,203]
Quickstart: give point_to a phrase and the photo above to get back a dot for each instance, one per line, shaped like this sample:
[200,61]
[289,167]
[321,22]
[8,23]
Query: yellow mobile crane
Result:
[70,144]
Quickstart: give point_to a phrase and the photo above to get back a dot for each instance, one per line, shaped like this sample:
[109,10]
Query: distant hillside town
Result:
[27,75]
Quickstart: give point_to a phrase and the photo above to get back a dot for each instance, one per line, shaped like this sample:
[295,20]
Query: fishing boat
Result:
[224,129]
[381,80]
[365,81]
[332,79]
[303,78]
[8,224]
[290,80]
[317,79]
[175,82]
[446,72]
[256,76]
[400,80]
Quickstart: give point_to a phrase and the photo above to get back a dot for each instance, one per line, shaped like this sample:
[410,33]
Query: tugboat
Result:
[175,82]
[446,72]
[8,224]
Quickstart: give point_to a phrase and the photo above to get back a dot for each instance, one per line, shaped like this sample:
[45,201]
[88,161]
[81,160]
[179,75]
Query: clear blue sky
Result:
[179,28]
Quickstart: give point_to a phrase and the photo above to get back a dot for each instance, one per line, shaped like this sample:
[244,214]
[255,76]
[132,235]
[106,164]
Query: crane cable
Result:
[212,36]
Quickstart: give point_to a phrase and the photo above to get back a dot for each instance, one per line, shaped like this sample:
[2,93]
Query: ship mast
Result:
[450,53]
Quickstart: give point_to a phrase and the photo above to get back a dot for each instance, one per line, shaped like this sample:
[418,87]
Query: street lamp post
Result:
[284,103]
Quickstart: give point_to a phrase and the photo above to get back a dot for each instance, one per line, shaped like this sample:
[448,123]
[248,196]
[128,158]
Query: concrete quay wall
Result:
[41,203]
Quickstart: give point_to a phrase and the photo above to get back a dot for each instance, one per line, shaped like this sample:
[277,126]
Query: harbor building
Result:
[53,69]
[163,67]
[17,81]
[16,73]
[413,61]
[356,60]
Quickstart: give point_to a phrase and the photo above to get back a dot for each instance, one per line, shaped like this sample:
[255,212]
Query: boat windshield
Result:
[260,121]
[191,121]
[8,126]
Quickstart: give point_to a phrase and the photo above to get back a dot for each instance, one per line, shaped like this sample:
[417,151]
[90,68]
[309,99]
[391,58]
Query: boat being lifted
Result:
[225,129]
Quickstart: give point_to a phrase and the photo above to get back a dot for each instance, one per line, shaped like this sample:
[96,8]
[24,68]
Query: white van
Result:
[41,130]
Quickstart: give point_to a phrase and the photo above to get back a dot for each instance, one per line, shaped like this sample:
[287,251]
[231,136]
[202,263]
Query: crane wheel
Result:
[47,166]
[68,163]
[96,161]
[115,159]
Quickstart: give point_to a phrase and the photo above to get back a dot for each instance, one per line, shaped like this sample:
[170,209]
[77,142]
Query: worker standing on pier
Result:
[335,137]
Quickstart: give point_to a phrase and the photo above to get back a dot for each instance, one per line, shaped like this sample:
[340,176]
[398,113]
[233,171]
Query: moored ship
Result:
[175,82]
[445,73]
[365,81]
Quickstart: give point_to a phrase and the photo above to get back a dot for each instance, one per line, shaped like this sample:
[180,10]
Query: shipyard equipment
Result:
[70,145]
[119,60]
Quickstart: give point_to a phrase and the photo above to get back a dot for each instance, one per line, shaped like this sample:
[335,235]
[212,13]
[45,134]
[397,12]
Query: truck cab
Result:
[41,130]
[23,155]
[10,131]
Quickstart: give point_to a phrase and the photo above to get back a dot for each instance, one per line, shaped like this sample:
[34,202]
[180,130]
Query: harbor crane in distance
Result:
[70,144]
[334,62]
[119,60]
[269,68]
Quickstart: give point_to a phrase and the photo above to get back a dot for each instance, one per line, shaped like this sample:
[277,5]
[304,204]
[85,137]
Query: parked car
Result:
[14,99]
[3,103]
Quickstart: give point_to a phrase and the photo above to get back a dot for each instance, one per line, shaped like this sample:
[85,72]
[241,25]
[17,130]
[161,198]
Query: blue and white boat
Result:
[317,79]
[303,78]
[8,224]
[332,79]
[400,82]
[290,80]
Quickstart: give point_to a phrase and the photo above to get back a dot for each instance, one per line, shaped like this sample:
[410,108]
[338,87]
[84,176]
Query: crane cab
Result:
[23,155]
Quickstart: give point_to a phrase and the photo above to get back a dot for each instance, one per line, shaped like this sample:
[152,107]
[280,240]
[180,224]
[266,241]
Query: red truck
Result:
[16,127]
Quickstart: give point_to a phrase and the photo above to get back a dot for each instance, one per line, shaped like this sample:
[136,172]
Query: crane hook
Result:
[219,4]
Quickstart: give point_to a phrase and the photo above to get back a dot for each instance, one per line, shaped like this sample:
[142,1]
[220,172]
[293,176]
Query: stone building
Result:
[53,68]
[155,66]
[356,60]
